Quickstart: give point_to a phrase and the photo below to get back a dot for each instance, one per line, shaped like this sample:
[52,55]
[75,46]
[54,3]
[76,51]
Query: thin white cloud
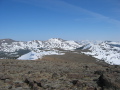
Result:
[61,5]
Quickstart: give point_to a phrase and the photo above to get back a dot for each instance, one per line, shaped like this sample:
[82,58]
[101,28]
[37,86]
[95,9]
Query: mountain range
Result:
[109,51]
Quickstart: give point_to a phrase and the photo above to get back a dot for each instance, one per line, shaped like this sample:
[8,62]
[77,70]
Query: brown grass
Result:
[56,72]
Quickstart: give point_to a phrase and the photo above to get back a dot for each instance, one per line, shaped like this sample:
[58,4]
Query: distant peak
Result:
[7,39]
[53,39]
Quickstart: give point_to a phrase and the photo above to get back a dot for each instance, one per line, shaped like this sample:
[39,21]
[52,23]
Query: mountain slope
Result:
[104,51]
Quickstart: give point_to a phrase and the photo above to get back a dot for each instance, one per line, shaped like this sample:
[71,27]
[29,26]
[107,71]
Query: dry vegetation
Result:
[59,72]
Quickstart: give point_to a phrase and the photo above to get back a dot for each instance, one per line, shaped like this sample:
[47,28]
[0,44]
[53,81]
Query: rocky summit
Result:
[70,71]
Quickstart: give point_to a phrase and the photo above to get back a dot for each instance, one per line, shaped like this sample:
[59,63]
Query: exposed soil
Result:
[71,71]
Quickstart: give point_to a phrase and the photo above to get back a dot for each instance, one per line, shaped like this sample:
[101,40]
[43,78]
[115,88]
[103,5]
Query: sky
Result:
[26,20]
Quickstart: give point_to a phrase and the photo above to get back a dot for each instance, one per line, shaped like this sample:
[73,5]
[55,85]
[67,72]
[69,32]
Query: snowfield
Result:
[38,55]
[104,51]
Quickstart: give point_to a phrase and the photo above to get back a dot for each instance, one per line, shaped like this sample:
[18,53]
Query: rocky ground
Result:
[71,71]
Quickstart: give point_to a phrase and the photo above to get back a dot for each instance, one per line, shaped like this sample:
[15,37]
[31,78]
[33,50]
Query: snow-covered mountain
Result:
[108,51]
[51,43]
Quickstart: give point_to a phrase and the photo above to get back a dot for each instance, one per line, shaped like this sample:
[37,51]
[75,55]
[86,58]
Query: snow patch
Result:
[38,55]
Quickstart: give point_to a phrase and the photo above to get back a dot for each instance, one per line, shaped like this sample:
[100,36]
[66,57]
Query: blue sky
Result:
[67,19]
